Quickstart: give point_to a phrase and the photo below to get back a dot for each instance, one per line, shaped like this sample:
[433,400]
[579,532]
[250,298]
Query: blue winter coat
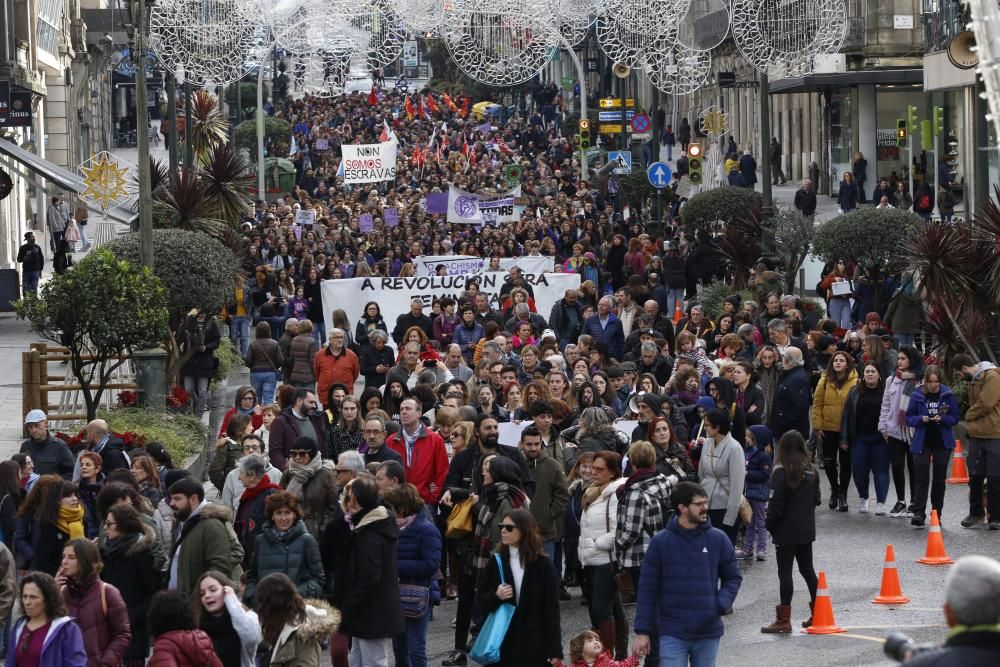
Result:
[917,409]
[676,597]
[63,644]
[418,554]
[791,403]
[613,334]
[758,480]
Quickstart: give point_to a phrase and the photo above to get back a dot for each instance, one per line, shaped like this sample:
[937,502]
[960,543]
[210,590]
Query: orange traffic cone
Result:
[678,312]
[823,623]
[890,592]
[936,554]
[959,471]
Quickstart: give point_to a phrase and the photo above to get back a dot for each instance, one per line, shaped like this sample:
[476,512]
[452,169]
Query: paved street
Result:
[850,548]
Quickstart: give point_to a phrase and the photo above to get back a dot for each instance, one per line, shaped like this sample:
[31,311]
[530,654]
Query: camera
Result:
[902,648]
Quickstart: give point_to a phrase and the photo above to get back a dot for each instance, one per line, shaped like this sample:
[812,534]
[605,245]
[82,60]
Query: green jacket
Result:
[297,555]
[206,542]
[548,504]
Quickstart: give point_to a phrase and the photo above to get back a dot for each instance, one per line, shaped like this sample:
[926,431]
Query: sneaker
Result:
[971,521]
[564,594]
[863,506]
[898,510]
[917,520]
[880,509]
[761,556]
[454,622]
[454,659]
[744,555]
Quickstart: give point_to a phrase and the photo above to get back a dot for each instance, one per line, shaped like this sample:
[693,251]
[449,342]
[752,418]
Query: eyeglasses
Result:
[507,527]
[110,524]
[298,452]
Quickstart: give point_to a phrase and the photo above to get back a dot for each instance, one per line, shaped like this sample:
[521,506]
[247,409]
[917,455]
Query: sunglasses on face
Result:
[507,527]
[298,452]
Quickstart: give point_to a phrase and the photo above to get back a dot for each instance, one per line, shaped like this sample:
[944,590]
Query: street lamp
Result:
[137,43]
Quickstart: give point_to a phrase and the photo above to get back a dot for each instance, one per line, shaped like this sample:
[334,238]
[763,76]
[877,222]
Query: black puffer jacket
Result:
[129,567]
[295,554]
[366,583]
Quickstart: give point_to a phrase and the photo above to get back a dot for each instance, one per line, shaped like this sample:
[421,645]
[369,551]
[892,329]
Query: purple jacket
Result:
[63,644]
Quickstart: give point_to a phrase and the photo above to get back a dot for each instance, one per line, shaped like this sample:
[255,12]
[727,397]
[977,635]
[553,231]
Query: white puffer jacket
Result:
[597,527]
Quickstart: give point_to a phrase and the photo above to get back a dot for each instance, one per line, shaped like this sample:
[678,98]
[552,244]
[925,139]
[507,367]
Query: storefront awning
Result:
[818,82]
[59,176]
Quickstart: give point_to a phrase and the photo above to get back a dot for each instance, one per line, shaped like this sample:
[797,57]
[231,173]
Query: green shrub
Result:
[712,296]
[228,357]
[182,435]
[722,206]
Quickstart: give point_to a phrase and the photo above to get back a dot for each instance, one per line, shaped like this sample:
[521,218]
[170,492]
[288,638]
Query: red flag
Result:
[372,97]
[408,106]
[446,98]
[465,146]
[465,106]
[432,105]
[472,158]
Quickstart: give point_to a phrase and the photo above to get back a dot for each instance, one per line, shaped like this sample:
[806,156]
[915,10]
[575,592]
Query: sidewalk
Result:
[15,337]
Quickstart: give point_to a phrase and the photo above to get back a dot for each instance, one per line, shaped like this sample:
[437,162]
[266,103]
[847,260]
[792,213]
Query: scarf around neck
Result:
[302,473]
[70,521]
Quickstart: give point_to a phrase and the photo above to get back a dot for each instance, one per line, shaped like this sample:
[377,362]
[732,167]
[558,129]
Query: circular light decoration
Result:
[420,15]
[573,18]
[626,31]
[323,73]
[678,70]
[210,40]
[714,122]
[502,44]
[289,22]
[784,37]
[704,24]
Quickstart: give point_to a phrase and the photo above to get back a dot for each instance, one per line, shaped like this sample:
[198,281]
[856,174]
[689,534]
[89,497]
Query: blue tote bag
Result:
[486,650]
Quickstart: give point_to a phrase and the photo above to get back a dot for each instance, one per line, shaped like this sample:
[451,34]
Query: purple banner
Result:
[437,202]
[365,222]
[391,217]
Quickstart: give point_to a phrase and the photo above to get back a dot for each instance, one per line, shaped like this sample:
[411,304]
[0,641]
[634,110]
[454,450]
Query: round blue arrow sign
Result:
[659,175]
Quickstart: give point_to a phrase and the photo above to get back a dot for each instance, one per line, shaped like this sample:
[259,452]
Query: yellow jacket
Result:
[828,402]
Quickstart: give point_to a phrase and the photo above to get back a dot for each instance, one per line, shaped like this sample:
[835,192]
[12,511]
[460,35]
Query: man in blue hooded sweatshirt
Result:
[681,600]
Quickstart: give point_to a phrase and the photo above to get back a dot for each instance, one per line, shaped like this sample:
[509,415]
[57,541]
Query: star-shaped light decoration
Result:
[105,180]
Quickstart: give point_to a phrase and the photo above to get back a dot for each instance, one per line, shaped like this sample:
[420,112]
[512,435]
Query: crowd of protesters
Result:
[361,479]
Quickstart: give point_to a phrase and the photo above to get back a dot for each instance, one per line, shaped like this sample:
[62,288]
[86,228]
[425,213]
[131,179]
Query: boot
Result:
[606,630]
[782,621]
[621,639]
[842,502]
[809,621]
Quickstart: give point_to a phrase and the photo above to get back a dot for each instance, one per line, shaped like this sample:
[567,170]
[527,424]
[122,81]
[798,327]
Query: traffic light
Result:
[926,138]
[694,164]
[583,136]
[938,120]
[901,132]
[911,117]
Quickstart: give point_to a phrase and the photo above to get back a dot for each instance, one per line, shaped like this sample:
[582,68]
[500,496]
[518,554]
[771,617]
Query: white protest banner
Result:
[467,208]
[509,433]
[369,163]
[393,295]
[305,217]
[457,265]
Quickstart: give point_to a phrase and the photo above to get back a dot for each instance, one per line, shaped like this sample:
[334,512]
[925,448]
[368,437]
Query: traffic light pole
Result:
[583,99]
[765,161]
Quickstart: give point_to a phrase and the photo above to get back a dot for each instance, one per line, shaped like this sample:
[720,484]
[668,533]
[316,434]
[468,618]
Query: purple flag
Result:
[391,217]
[437,202]
[365,222]
[485,128]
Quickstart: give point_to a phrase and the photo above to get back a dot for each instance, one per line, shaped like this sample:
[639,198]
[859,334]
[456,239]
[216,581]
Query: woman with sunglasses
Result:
[531,585]
[311,482]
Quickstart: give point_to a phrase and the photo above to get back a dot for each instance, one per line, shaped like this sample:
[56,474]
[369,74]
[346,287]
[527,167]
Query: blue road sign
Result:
[659,175]
[622,160]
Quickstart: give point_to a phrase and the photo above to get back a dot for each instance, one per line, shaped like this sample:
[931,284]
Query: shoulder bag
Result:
[623,578]
[459,522]
[415,600]
[486,650]
[279,376]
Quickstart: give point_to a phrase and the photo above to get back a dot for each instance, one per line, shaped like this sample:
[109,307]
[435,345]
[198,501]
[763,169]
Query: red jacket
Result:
[428,465]
[102,616]
[183,648]
[604,660]
[330,370]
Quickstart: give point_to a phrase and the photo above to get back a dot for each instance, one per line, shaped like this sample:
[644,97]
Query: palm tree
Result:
[209,127]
